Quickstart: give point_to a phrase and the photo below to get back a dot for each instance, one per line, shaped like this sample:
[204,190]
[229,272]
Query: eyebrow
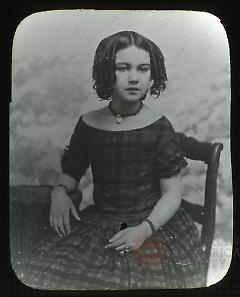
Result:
[125,63]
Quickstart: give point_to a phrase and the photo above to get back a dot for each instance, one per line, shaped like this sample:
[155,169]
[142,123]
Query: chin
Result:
[132,99]
[135,98]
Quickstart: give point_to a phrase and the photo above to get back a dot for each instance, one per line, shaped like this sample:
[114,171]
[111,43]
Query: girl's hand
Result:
[130,239]
[61,205]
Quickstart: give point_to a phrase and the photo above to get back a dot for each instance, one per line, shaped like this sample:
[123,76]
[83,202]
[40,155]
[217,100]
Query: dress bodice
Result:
[126,165]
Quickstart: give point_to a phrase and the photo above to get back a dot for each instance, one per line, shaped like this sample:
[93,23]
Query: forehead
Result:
[132,55]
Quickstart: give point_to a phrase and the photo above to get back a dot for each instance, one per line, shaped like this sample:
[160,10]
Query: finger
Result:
[117,236]
[66,223]
[124,251]
[60,226]
[51,221]
[55,225]
[123,247]
[74,212]
[116,243]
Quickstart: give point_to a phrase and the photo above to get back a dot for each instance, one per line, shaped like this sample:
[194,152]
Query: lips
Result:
[132,89]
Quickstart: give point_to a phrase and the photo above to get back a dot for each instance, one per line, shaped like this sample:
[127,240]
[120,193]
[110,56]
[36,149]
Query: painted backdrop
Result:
[52,85]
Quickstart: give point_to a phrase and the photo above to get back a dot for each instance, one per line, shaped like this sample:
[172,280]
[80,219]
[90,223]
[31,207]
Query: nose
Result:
[133,76]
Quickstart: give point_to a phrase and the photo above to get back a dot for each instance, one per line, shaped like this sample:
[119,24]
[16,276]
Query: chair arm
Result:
[29,216]
[194,149]
[39,194]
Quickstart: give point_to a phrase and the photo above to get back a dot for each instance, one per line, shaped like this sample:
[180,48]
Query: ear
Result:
[151,82]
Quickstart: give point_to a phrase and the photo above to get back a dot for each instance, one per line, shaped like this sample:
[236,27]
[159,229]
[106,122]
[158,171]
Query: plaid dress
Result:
[126,168]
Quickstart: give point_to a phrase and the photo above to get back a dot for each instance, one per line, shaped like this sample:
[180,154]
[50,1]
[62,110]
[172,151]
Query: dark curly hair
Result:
[103,71]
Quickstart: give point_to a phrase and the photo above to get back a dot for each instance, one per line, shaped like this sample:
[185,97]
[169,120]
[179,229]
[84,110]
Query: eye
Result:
[121,68]
[144,68]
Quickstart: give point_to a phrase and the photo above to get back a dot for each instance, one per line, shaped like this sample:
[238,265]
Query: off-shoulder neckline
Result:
[127,130]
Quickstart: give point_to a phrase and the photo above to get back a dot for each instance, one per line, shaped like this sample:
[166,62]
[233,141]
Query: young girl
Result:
[136,234]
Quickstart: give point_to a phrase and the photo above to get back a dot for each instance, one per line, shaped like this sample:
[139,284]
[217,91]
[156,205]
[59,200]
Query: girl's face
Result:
[132,69]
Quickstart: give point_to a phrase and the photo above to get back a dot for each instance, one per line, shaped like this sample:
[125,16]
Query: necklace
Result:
[119,117]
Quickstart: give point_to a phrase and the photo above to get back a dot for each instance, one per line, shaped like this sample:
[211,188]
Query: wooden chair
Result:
[29,205]
[204,214]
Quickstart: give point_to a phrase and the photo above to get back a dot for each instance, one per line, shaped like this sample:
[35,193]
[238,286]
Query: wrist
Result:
[60,189]
[145,229]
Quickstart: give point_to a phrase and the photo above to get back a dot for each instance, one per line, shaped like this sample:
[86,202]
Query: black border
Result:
[11,16]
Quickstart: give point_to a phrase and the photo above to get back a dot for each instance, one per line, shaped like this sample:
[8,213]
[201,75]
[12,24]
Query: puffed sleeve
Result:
[169,158]
[75,161]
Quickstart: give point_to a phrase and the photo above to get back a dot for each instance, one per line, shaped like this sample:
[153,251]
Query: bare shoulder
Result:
[151,113]
[93,117]
[103,119]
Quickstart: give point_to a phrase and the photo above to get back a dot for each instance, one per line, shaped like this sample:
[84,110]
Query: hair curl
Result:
[103,71]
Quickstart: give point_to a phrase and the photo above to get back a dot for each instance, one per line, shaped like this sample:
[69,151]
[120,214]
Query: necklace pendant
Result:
[118,119]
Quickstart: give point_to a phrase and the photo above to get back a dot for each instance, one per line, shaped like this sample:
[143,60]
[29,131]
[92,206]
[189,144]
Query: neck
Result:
[125,107]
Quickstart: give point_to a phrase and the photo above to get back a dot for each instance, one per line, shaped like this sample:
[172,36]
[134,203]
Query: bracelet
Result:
[151,225]
[63,186]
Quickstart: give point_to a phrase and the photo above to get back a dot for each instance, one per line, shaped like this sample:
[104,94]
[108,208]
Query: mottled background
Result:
[52,85]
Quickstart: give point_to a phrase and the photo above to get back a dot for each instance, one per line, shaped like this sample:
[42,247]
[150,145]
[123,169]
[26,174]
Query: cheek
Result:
[120,83]
[148,83]
[146,79]
[120,78]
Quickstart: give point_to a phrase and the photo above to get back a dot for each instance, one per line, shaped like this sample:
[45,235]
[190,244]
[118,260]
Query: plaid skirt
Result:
[171,258]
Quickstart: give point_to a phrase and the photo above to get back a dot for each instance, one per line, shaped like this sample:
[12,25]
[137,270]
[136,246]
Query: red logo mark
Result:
[150,253]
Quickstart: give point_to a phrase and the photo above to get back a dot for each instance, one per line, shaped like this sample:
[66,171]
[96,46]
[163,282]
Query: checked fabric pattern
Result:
[126,168]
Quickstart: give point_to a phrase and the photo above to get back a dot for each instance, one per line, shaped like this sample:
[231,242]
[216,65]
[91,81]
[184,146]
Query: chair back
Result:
[204,214]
